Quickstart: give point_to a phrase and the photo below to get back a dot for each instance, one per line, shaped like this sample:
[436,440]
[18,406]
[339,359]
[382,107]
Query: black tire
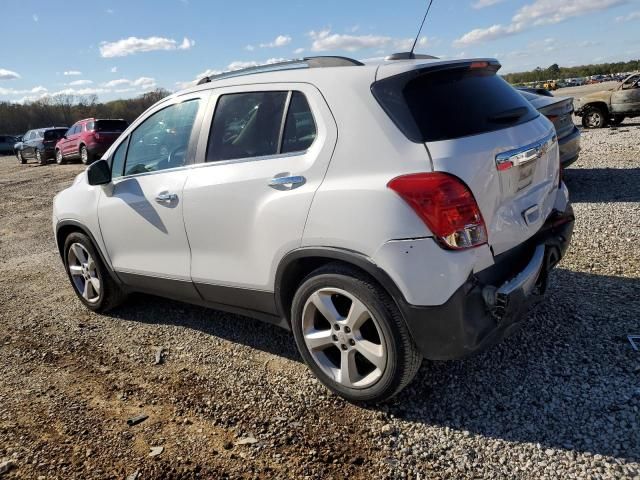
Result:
[403,358]
[59,157]
[594,117]
[21,159]
[41,160]
[85,155]
[616,120]
[111,295]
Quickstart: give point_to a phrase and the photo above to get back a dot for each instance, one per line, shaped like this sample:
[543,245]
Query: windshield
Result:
[110,126]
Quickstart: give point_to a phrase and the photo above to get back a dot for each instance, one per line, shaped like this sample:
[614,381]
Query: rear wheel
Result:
[41,160]
[59,157]
[89,277]
[85,156]
[21,159]
[352,336]
[594,117]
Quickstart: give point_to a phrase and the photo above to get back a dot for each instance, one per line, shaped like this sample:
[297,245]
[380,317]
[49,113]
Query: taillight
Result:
[96,135]
[446,205]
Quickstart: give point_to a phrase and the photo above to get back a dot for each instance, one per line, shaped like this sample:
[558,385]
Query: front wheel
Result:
[594,117]
[352,336]
[21,159]
[89,277]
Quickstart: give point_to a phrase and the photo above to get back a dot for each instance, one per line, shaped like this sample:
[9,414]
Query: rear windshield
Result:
[54,134]
[110,126]
[454,103]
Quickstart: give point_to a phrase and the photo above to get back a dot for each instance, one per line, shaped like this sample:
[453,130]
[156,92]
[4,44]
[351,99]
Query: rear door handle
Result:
[287,183]
[166,198]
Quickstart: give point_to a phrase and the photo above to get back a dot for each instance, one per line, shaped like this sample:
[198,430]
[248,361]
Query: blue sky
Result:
[119,49]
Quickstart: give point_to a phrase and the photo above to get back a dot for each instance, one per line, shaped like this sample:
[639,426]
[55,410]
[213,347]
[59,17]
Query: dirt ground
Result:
[231,398]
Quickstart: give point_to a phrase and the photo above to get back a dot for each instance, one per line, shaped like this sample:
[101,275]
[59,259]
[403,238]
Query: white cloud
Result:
[133,45]
[324,40]
[405,44]
[72,73]
[250,48]
[628,18]
[35,18]
[78,83]
[8,74]
[485,3]
[109,11]
[298,51]
[143,83]
[279,41]
[114,69]
[539,12]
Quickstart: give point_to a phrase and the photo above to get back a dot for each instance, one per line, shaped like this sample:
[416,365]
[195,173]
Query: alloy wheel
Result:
[594,119]
[83,272]
[58,157]
[20,159]
[343,337]
[84,155]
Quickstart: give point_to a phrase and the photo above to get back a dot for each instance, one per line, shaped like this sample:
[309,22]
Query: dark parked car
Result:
[560,111]
[39,144]
[88,139]
[7,142]
[536,91]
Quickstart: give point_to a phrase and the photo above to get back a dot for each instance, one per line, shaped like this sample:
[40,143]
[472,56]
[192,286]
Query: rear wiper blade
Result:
[509,115]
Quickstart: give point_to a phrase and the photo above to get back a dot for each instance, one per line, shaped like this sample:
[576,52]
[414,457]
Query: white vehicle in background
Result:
[384,212]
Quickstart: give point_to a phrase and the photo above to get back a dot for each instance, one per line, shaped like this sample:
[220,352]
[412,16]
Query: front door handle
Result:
[287,183]
[166,198]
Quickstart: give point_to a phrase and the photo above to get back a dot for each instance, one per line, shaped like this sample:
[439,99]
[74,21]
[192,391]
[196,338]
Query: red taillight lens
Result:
[446,205]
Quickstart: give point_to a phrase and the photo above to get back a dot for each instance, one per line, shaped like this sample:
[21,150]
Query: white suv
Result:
[382,212]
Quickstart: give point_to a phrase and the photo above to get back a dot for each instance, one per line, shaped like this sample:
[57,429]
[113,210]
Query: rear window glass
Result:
[454,103]
[54,134]
[110,126]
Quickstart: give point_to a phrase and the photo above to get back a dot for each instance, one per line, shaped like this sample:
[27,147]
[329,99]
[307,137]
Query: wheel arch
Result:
[65,228]
[597,104]
[296,265]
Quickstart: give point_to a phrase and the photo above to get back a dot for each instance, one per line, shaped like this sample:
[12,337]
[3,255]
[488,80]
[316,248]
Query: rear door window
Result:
[452,103]
[110,125]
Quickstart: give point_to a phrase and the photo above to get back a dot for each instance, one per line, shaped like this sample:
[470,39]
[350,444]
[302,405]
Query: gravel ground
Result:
[231,398]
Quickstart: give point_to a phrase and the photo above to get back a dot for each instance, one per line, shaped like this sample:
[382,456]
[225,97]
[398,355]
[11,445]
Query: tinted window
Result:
[117,160]
[246,125]
[452,103]
[53,134]
[111,125]
[161,141]
[299,129]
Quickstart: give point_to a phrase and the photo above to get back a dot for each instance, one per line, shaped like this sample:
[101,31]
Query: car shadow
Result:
[603,184]
[567,380]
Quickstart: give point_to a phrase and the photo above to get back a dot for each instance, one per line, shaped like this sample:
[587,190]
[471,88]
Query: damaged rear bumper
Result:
[493,302]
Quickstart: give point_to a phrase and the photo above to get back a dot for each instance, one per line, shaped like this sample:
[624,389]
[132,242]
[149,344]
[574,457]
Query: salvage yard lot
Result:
[559,399]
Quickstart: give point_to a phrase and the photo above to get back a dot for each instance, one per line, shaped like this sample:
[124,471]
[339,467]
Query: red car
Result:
[88,139]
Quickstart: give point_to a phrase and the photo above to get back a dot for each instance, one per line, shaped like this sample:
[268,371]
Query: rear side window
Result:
[452,103]
[89,126]
[299,127]
[109,126]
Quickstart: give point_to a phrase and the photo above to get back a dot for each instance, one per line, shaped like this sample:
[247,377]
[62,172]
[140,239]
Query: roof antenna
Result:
[411,55]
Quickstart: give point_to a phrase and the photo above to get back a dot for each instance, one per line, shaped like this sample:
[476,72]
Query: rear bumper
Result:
[493,302]
[569,147]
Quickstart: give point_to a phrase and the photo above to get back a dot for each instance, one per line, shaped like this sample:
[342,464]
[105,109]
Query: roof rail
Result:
[306,62]
[410,56]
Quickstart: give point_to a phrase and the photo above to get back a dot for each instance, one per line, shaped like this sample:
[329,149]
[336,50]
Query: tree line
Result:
[65,110]
[555,71]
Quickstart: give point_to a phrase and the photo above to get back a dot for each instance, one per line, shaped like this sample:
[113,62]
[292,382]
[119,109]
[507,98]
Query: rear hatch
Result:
[108,130]
[477,127]
[51,137]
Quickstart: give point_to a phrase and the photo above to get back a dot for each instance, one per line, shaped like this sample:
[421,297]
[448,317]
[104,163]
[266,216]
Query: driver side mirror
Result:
[99,173]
